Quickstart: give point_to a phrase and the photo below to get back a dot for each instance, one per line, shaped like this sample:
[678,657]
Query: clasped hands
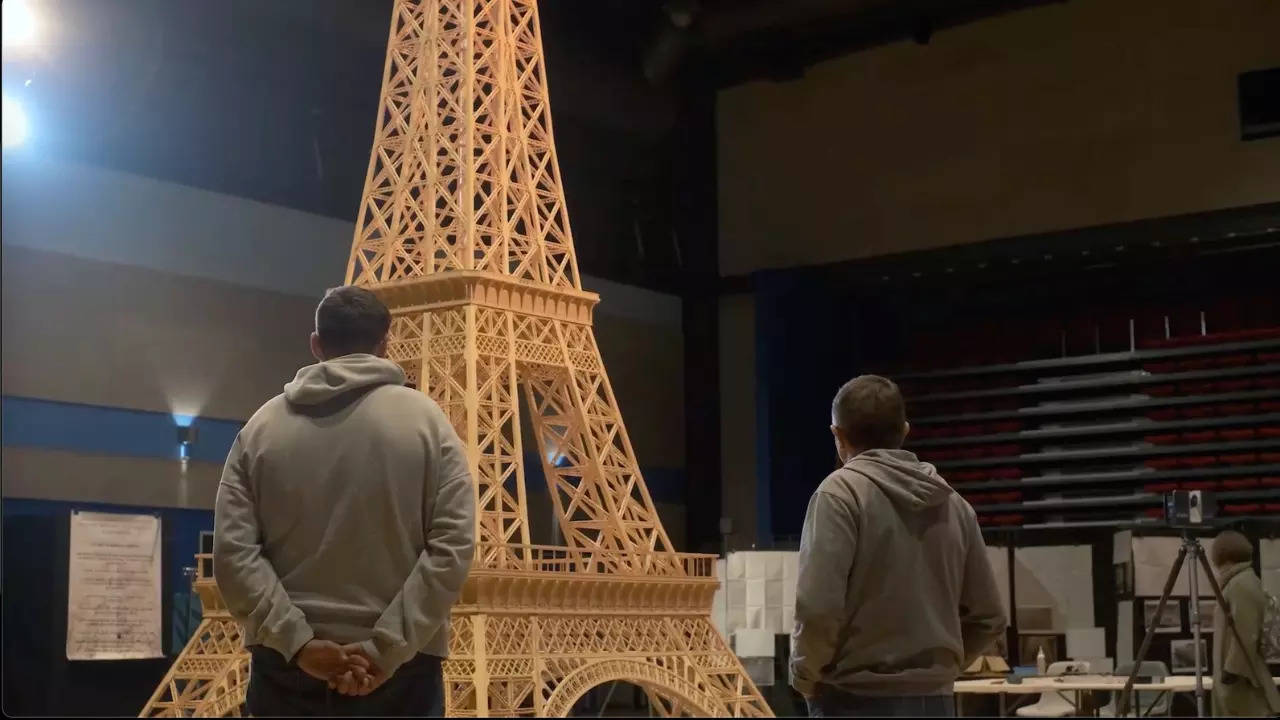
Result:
[346,668]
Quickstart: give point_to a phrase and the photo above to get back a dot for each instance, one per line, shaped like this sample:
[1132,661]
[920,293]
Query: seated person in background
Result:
[895,594]
[1235,689]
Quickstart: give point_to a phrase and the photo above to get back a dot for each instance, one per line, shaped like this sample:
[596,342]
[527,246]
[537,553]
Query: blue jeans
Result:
[280,688]
[828,702]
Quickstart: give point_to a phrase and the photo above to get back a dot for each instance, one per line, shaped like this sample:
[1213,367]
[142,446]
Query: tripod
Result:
[1190,546]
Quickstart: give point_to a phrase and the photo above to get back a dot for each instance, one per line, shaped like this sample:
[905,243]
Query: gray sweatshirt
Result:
[895,591]
[346,513]
[1241,696]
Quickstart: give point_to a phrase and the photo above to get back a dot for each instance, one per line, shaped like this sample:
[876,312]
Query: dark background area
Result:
[275,101]
[1001,301]
[38,678]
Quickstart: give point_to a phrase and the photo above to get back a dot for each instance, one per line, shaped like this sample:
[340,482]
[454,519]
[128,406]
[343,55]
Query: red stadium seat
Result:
[1201,436]
[1227,361]
[1197,461]
[1162,463]
[1231,409]
[1239,483]
[1169,439]
[1237,435]
[1239,459]
[1194,364]
[1163,487]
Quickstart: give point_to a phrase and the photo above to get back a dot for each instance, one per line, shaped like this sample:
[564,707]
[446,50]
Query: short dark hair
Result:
[1231,548]
[871,412]
[351,320]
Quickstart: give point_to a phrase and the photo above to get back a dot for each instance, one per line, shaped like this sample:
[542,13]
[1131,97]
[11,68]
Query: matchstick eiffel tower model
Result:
[464,233]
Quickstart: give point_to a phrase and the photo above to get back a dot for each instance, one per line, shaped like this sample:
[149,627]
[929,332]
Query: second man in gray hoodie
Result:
[895,592]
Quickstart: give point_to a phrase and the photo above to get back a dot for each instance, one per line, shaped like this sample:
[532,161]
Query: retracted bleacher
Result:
[1094,440]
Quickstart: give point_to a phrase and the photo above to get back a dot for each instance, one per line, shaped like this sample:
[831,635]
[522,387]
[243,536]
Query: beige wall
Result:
[39,474]
[1063,116]
[98,333]
[151,296]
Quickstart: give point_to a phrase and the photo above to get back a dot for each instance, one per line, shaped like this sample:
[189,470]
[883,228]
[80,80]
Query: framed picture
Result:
[1182,656]
[1170,621]
[1208,611]
[1029,645]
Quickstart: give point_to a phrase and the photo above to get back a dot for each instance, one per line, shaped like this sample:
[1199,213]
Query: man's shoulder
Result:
[1245,581]
[405,397]
[274,406]
[844,484]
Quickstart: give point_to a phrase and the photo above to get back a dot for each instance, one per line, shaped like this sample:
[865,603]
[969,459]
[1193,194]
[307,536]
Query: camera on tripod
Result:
[1190,508]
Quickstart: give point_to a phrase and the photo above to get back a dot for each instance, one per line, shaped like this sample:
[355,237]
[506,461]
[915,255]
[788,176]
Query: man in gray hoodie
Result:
[895,593]
[344,529]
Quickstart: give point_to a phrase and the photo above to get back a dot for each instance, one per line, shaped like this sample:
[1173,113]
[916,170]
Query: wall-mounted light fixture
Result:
[187,435]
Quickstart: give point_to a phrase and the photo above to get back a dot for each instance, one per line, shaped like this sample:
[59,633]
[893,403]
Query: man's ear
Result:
[316,351]
[380,350]
[906,429]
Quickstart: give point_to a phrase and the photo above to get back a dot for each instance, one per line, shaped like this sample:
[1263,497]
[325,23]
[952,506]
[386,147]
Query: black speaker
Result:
[1259,98]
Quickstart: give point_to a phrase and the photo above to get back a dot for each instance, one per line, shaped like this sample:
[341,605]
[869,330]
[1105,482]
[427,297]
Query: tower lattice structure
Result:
[464,233]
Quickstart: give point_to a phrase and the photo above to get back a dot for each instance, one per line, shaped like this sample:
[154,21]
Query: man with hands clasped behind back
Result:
[344,529]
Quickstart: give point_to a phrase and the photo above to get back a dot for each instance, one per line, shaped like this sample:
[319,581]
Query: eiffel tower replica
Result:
[464,233]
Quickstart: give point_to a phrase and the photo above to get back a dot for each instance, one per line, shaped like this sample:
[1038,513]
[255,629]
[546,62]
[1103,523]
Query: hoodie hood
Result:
[322,382]
[909,483]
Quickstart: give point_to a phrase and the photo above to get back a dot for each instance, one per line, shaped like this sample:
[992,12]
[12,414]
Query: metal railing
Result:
[559,559]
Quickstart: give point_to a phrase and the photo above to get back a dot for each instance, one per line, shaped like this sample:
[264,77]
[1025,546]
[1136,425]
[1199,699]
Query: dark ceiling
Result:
[274,99]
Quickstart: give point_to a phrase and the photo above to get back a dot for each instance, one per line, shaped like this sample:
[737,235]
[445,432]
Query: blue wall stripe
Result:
[100,430]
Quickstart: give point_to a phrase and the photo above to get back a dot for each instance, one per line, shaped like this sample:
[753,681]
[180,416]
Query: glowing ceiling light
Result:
[20,25]
[15,123]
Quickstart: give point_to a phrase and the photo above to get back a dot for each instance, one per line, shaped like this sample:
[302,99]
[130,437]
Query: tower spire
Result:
[464,234]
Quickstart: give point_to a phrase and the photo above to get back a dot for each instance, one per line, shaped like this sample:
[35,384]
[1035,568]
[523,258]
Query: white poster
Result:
[113,608]
[1152,559]
[1059,577]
